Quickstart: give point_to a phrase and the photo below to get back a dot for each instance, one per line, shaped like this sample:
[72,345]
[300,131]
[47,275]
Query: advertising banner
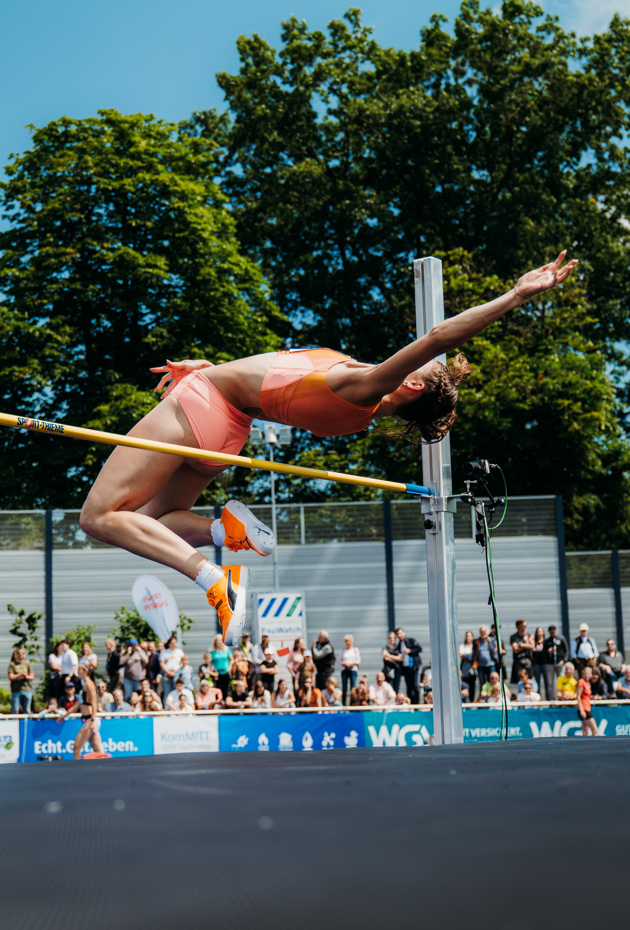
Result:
[281,617]
[9,740]
[290,733]
[398,728]
[483,723]
[119,736]
[185,734]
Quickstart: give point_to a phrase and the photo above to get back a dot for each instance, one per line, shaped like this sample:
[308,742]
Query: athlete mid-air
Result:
[141,500]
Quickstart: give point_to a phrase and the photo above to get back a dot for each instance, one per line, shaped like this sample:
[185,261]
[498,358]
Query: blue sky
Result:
[71,58]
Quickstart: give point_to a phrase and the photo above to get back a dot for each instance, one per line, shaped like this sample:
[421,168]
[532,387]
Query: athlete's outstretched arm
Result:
[456,331]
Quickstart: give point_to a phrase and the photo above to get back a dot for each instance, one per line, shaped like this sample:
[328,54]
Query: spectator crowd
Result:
[143,677]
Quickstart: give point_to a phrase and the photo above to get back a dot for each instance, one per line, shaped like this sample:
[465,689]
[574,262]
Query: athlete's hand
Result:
[175,371]
[545,277]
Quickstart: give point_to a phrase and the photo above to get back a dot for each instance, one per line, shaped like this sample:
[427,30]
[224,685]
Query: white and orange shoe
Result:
[228,596]
[244,531]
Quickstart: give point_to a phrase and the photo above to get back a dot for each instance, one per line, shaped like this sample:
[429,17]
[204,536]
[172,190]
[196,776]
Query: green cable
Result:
[505,494]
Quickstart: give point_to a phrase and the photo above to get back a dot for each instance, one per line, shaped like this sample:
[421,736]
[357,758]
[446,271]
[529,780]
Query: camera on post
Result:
[478,468]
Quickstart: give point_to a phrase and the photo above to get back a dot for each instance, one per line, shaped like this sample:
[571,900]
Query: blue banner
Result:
[290,732]
[398,728]
[531,722]
[120,737]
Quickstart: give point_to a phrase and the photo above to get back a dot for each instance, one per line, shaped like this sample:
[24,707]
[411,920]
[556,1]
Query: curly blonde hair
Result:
[431,415]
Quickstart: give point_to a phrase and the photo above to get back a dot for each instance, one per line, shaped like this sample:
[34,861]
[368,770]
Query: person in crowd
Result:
[238,697]
[501,663]
[133,661]
[485,655]
[523,677]
[428,697]
[360,696]
[392,661]
[269,669]
[307,670]
[20,676]
[119,705]
[332,693]
[310,694]
[257,654]
[52,708]
[583,649]
[154,671]
[69,698]
[350,659]
[260,696]
[241,667]
[410,650]
[207,671]
[556,652]
[539,658]
[172,701]
[185,671]
[88,656]
[134,701]
[567,683]
[583,695]
[170,661]
[622,686]
[463,687]
[295,659]
[522,645]
[208,698]
[148,701]
[324,659]
[112,665]
[248,652]
[69,662]
[599,691]
[282,696]
[468,672]
[145,688]
[183,704]
[402,701]
[528,695]
[223,662]
[381,693]
[91,723]
[54,666]
[609,663]
[493,686]
[103,697]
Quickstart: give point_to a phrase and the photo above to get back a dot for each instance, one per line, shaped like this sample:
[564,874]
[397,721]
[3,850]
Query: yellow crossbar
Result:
[150,445]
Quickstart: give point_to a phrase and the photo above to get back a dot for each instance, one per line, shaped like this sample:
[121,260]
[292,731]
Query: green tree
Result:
[494,145]
[121,251]
[129,623]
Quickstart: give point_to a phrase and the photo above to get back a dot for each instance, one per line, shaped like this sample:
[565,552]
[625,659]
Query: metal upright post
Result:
[389,566]
[618,604]
[440,536]
[274,527]
[48,577]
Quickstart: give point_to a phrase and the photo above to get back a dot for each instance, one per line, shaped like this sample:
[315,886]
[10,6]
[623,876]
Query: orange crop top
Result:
[295,392]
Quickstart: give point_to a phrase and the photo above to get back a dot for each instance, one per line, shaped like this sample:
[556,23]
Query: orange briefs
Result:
[217,425]
[295,392]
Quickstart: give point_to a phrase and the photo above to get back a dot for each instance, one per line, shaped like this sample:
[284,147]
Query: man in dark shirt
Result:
[556,650]
[610,662]
[112,665]
[324,659]
[410,649]
[522,646]
[69,699]
[238,697]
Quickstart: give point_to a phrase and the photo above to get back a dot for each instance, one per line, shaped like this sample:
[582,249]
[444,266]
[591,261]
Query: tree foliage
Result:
[130,624]
[495,145]
[121,251]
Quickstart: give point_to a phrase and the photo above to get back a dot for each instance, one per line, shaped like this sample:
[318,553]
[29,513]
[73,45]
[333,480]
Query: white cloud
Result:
[587,16]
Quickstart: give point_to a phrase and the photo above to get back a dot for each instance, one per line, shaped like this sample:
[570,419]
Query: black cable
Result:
[490,573]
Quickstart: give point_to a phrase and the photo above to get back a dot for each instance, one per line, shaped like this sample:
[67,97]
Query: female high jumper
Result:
[141,500]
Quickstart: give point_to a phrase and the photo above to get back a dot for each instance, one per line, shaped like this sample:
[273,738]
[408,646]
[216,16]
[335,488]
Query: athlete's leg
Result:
[95,738]
[80,741]
[130,479]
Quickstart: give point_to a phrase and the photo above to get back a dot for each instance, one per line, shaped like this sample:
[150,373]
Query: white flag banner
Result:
[281,617]
[156,605]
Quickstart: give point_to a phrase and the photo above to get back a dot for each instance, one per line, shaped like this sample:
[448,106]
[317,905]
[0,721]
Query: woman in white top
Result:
[170,662]
[282,697]
[260,696]
[350,660]
[88,656]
